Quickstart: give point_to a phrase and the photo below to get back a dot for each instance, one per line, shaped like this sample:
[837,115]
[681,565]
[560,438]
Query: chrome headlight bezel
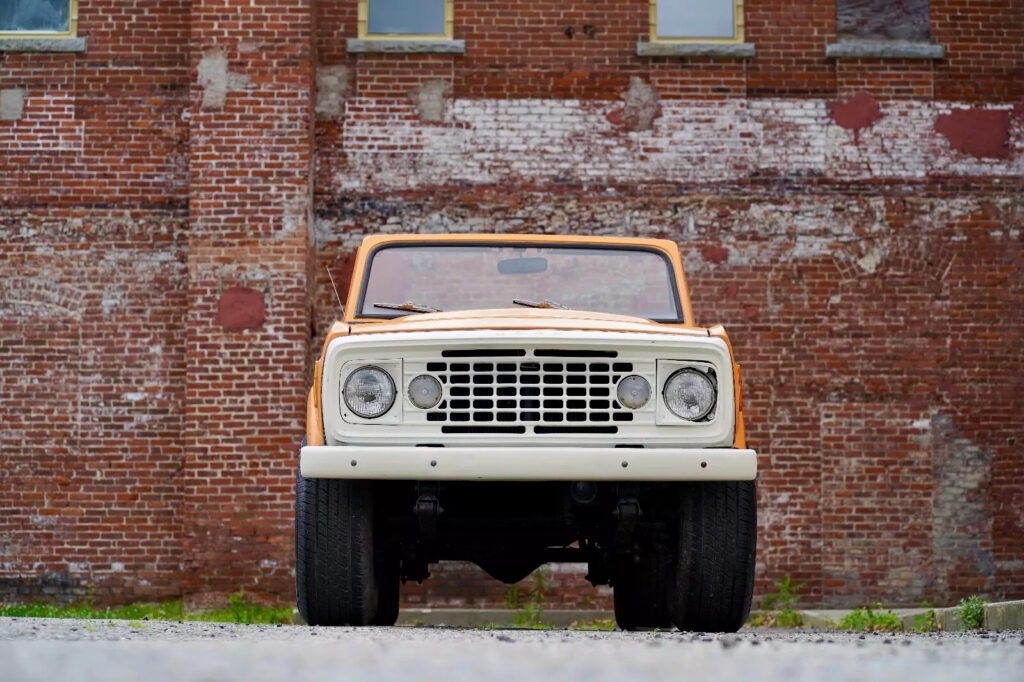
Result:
[390,391]
[684,374]
[720,415]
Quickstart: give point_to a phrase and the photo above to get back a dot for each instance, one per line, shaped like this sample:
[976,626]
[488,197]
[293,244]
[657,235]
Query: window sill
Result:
[740,50]
[42,44]
[883,49]
[377,46]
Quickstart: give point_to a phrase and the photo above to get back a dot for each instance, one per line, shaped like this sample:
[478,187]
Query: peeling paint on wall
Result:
[640,109]
[984,133]
[715,254]
[962,535]
[40,297]
[12,104]
[566,141]
[856,112]
[216,81]
[332,88]
[241,308]
[429,99]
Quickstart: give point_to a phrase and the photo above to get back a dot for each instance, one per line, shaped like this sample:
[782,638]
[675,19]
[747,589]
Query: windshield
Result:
[624,280]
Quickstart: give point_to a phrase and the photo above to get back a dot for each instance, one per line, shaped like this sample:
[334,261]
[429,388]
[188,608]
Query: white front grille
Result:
[541,391]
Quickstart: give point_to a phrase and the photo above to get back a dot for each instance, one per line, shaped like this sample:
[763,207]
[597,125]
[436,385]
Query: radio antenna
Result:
[335,287]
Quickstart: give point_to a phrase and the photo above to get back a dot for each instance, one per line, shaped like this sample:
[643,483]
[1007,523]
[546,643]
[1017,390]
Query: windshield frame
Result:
[677,301]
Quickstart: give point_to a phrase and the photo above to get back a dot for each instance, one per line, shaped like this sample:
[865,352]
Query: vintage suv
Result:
[512,400]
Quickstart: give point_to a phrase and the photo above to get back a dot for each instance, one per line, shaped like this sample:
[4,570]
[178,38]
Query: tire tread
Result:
[715,565]
[334,570]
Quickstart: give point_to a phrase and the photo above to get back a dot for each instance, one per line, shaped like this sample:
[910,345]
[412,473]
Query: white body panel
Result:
[407,354]
[510,463]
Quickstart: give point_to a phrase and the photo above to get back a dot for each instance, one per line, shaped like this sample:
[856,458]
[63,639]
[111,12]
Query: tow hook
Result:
[427,509]
[627,513]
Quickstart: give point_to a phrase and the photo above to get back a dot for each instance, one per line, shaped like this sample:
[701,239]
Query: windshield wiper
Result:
[539,304]
[408,306]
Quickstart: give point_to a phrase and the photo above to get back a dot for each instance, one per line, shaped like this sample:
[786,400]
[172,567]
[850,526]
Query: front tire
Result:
[335,579]
[641,592]
[714,577]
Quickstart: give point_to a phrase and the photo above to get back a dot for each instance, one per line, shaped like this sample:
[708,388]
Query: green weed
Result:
[779,606]
[971,612]
[866,619]
[926,622]
[596,624]
[238,611]
[527,600]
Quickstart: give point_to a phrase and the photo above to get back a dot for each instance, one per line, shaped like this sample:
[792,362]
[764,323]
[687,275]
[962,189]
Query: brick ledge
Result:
[42,44]
[884,49]
[364,46]
[741,50]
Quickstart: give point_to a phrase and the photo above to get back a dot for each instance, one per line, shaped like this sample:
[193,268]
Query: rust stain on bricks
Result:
[241,308]
[856,112]
[984,133]
[640,107]
[715,254]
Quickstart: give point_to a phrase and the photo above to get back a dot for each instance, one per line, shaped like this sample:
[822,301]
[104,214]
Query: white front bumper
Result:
[506,463]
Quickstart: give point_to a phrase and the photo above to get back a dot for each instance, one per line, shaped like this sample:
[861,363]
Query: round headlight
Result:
[369,392]
[690,394]
[425,391]
[634,392]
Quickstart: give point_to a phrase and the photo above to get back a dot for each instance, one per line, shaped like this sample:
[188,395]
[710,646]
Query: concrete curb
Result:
[945,618]
[1007,615]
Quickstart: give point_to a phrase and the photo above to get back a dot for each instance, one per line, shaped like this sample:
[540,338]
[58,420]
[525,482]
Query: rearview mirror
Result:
[522,266]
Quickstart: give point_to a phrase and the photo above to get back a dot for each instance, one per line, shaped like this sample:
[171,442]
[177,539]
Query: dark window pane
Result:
[50,16]
[628,281]
[882,19]
[696,19]
[406,16]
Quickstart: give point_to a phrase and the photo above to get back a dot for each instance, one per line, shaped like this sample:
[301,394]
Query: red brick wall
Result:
[93,283]
[92,373]
[159,302]
[248,311]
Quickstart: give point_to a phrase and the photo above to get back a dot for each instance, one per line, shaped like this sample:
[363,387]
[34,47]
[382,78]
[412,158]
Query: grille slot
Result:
[559,353]
[547,391]
[484,353]
[483,429]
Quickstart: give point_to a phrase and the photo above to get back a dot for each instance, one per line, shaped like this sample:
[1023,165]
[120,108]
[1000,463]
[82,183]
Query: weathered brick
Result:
[867,266]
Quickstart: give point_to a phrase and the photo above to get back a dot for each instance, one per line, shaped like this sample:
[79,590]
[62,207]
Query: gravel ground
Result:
[109,651]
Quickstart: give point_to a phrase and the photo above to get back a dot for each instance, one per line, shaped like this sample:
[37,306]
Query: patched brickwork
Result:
[172,199]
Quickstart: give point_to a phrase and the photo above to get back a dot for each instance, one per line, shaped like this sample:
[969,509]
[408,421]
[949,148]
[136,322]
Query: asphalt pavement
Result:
[110,651]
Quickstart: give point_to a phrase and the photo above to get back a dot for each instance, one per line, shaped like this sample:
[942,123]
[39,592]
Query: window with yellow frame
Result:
[697,21]
[406,19]
[38,18]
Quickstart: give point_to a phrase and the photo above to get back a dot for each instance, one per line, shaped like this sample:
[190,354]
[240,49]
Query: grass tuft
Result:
[238,611]
[866,619]
[971,612]
[527,600]
[778,606]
